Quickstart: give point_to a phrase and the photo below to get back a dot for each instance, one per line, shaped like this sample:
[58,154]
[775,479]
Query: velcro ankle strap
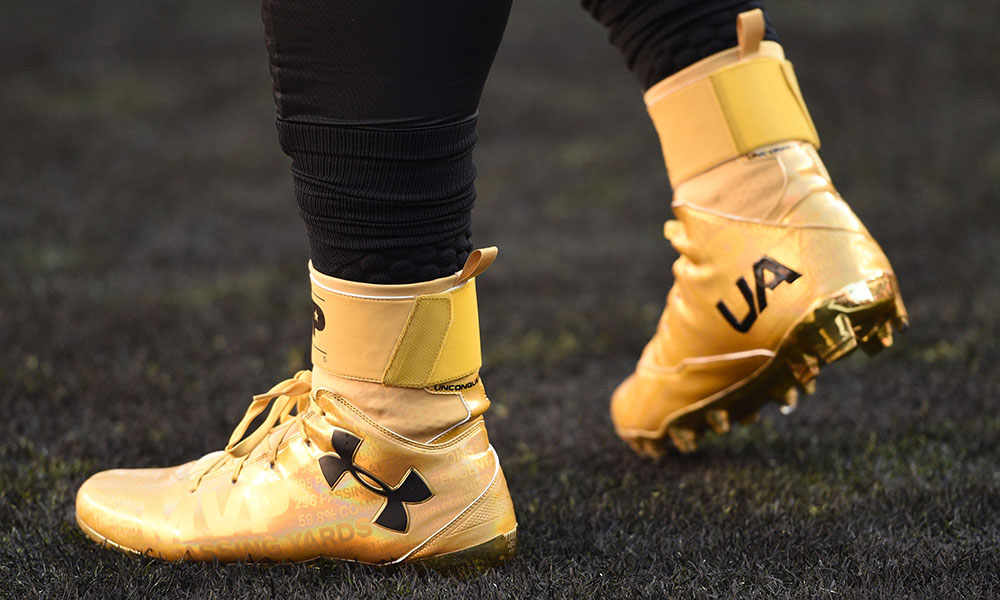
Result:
[367,333]
[753,101]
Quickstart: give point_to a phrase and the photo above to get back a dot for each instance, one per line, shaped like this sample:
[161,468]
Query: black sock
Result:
[661,37]
[384,206]
[376,103]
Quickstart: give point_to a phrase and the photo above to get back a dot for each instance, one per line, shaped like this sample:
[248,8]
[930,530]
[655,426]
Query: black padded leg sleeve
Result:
[660,37]
[376,104]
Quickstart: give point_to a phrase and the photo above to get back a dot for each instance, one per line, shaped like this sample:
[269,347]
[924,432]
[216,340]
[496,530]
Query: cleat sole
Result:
[862,315]
[478,559]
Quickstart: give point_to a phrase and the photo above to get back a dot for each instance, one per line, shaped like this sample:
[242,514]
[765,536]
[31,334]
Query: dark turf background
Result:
[152,278]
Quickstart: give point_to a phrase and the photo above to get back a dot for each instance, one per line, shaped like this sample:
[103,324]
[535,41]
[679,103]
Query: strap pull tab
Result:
[478,261]
[749,31]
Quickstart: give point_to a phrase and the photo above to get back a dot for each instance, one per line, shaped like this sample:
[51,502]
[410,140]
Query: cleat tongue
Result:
[683,439]
[718,420]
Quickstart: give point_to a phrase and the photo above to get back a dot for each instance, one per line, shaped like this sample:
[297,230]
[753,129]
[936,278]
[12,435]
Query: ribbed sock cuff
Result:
[384,206]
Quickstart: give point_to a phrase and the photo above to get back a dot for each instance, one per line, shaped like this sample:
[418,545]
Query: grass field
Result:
[152,278]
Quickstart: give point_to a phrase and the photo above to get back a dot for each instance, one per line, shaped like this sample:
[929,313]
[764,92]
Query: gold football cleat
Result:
[776,275]
[379,455]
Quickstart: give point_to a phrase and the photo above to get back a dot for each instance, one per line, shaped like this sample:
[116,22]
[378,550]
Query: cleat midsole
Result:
[489,554]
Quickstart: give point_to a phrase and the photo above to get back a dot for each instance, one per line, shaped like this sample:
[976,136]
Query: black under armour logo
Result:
[319,319]
[393,515]
[780,273]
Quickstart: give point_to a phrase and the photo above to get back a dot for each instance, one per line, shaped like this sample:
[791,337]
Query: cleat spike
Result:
[718,420]
[790,402]
[878,338]
[804,367]
[683,439]
[902,320]
[647,447]
[885,334]
[838,339]
[656,448]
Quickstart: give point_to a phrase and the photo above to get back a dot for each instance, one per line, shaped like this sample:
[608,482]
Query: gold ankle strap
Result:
[729,104]
[399,335]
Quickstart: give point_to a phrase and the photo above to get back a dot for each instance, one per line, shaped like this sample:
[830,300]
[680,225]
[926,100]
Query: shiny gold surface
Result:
[324,475]
[700,371]
[289,511]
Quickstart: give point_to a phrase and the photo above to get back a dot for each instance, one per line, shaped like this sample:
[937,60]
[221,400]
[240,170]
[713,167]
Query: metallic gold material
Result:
[776,277]
[398,335]
[729,104]
[321,478]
